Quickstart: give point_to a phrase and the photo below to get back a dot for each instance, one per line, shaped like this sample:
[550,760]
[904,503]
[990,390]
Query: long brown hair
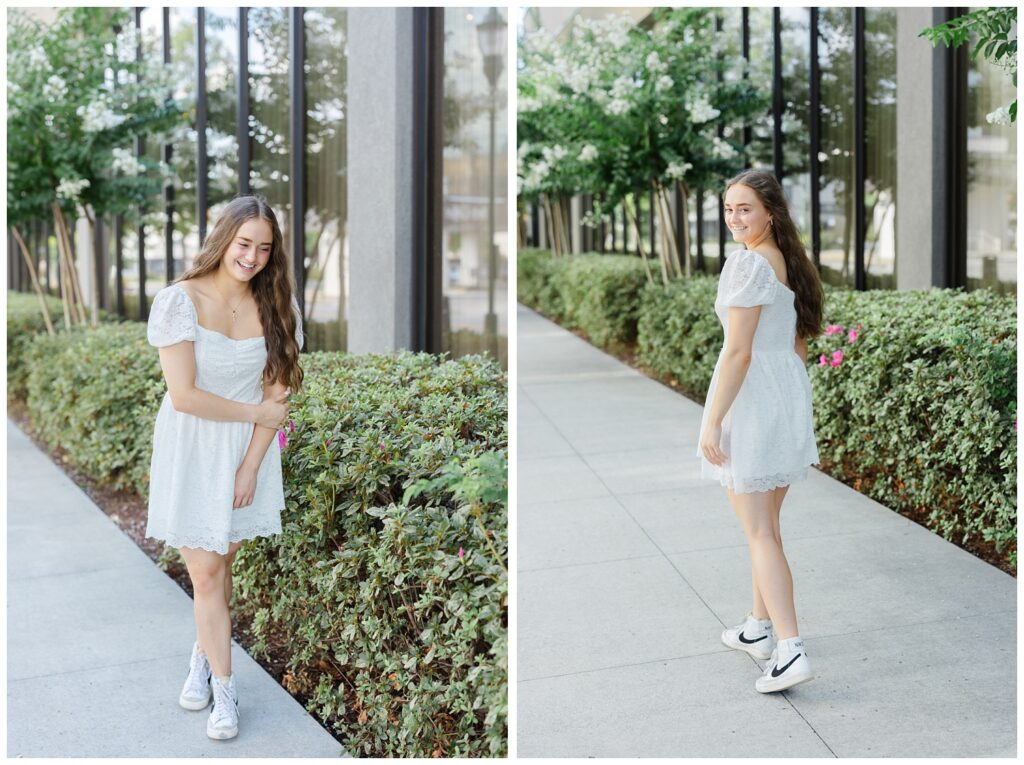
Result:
[272,287]
[803,276]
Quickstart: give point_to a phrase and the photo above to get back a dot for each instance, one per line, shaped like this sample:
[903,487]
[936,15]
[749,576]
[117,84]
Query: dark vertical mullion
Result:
[48,282]
[428,170]
[859,158]
[140,150]
[814,118]
[168,153]
[777,92]
[650,217]
[534,225]
[699,204]
[119,262]
[745,47]
[99,250]
[242,98]
[955,267]
[202,180]
[297,172]
[720,76]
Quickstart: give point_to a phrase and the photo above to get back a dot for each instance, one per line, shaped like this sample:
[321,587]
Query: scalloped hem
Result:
[759,483]
[201,543]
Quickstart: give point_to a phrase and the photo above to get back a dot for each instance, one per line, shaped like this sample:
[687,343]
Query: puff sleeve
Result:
[298,322]
[747,280]
[172,317]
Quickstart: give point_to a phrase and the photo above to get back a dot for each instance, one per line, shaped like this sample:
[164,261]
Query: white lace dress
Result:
[767,434]
[192,472]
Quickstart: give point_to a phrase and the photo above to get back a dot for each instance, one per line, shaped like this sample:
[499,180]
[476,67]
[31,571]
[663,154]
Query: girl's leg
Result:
[768,562]
[759,610]
[213,621]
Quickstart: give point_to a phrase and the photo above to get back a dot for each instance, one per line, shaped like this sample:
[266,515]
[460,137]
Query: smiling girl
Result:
[229,333]
[756,436]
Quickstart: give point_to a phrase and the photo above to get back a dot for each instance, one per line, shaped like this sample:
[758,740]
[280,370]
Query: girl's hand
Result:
[245,486]
[272,412]
[710,442]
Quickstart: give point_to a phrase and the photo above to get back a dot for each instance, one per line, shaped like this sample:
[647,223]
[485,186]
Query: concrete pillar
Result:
[380,193]
[921,158]
[575,214]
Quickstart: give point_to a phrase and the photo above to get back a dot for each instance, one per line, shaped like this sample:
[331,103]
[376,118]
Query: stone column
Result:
[380,201]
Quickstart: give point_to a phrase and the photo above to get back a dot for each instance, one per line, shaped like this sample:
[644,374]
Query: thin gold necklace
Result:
[234,311]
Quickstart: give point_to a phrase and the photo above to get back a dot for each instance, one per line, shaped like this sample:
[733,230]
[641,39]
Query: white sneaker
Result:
[755,636]
[787,667]
[195,694]
[223,720]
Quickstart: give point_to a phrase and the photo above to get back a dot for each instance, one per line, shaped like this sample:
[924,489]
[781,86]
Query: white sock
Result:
[789,646]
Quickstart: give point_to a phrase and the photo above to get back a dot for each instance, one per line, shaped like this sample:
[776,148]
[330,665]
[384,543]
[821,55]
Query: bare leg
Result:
[768,562]
[232,551]
[759,610]
[213,621]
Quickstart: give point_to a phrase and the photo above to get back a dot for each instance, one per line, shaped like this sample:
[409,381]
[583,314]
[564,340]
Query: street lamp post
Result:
[491,36]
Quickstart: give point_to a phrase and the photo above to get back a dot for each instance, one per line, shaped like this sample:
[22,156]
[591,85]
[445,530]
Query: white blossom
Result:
[1000,116]
[622,87]
[71,188]
[554,153]
[37,58]
[588,153]
[663,119]
[701,111]
[723,149]
[97,116]
[664,83]
[220,145]
[126,162]
[677,170]
[654,64]
[55,88]
[618,106]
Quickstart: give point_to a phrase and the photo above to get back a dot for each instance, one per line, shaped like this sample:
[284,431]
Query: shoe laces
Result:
[225,708]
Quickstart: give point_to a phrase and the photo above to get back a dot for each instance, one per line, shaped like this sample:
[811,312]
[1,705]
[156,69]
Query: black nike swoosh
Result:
[748,641]
[776,671]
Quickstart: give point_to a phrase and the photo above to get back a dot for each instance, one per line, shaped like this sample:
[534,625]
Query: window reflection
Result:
[474,278]
[183,139]
[796,130]
[221,109]
[880,147]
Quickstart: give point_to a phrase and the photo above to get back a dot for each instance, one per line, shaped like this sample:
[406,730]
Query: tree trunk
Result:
[685,223]
[35,280]
[639,239]
[74,292]
[668,230]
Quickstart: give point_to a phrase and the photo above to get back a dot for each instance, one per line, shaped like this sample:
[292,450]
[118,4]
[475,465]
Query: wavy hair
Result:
[803,276]
[272,287]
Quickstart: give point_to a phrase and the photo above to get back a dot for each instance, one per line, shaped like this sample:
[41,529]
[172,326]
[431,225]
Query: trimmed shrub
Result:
[388,587]
[920,411]
[24,320]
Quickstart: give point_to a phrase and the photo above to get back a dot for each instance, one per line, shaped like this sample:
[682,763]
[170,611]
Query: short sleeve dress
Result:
[767,434]
[192,471]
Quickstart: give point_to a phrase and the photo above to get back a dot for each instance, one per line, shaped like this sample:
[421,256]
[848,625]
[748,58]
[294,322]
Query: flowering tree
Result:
[622,110]
[76,99]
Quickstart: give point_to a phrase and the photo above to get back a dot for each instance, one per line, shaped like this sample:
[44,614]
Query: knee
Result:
[763,535]
[209,578]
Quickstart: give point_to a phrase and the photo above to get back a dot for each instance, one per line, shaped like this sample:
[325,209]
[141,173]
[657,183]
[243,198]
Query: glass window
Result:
[154,219]
[838,194]
[221,110]
[183,143]
[991,180]
[761,138]
[326,217]
[474,246]
[880,146]
[796,130]
[270,106]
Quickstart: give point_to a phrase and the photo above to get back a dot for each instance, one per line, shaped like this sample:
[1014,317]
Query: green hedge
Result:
[921,412]
[395,466]
[24,320]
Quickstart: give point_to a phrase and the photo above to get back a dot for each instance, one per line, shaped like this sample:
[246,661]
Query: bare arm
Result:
[735,361]
[801,348]
[263,436]
[178,362]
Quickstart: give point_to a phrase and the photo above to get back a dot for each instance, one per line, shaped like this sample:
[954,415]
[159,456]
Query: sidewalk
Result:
[99,640]
[630,566]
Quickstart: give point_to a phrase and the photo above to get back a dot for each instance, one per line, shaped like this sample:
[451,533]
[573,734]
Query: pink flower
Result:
[852,337]
[282,439]
[822,361]
[328,442]
[381,445]
[291,426]
[837,358]
[462,553]
[833,329]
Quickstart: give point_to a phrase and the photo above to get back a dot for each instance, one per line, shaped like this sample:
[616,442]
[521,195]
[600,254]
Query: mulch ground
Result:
[862,483]
[129,511]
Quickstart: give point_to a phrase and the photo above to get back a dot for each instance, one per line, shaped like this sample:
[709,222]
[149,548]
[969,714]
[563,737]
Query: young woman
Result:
[229,333]
[756,432]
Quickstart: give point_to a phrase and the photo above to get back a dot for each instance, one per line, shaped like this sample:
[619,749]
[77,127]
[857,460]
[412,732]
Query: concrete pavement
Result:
[630,566]
[98,640]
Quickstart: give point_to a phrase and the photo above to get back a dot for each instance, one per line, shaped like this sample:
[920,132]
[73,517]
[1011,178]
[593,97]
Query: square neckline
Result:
[213,331]
[776,276]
